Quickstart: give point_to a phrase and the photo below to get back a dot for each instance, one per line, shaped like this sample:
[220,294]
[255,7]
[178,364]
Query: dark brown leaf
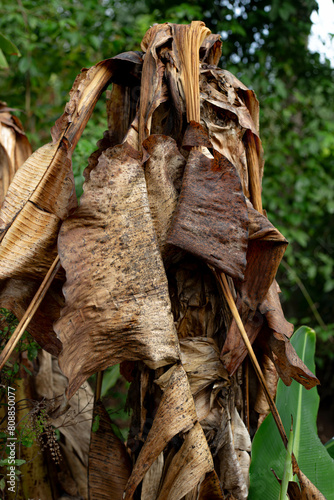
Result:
[109,465]
[210,488]
[211,218]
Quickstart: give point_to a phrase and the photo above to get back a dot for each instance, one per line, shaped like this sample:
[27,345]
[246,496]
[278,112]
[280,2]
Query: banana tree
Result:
[167,266]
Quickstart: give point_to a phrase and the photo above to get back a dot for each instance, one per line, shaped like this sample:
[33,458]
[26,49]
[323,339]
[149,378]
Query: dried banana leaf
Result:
[210,488]
[16,295]
[188,466]
[14,148]
[151,481]
[42,193]
[211,218]
[117,303]
[163,174]
[176,413]
[109,465]
[200,359]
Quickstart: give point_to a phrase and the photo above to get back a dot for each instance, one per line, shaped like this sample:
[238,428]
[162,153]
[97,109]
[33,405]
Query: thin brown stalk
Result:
[229,299]
[99,379]
[28,315]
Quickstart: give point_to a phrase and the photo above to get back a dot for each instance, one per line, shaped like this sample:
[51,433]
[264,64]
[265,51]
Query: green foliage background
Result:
[265,45]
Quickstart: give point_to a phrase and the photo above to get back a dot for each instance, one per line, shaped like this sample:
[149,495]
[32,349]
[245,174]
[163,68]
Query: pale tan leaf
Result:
[200,359]
[163,174]
[188,466]
[176,413]
[151,481]
[117,303]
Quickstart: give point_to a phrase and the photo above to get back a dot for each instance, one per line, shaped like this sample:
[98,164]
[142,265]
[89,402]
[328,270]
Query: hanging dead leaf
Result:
[163,174]
[176,413]
[211,218]
[109,465]
[117,302]
[16,295]
[200,359]
[188,466]
[151,481]
[14,148]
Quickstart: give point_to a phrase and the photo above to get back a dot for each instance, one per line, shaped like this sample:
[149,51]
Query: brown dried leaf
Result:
[200,359]
[211,218]
[152,92]
[210,488]
[261,405]
[188,466]
[16,295]
[151,481]
[176,413]
[234,349]
[163,174]
[211,49]
[288,365]
[109,465]
[14,148]
[266,247]
[308,490]
[272,309]
[117,302]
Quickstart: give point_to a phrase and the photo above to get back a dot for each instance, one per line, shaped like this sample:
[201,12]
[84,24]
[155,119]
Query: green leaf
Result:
[96,423]
[287,476]
[2,484]
[268,451]
[330,447]
[3,61]
[110,377]
[8,47]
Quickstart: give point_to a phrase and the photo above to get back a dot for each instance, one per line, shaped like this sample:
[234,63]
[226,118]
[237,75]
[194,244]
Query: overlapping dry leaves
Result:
[172,197]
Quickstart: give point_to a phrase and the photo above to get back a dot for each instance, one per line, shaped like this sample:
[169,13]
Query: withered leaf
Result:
[210,488]
[210,50]
[272,309]
[288,365]
[109,465]
[16,295]
[176,413]
[188,466]
[14,148]
[163,174]
[200,359]
[117,303]
[211,218]
[266,247]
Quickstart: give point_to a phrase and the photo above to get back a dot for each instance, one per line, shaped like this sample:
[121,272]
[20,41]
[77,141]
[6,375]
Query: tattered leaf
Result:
[176,413]
[117,303]
[188,466]
[211,218]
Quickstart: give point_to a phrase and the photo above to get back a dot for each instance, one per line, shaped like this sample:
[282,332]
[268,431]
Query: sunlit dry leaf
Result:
[163,174]
[151,481]
[176,413]
[211,218]
[109,465]
[117,302]
[152,92]
[14,148]
[187,466]
[200,359]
